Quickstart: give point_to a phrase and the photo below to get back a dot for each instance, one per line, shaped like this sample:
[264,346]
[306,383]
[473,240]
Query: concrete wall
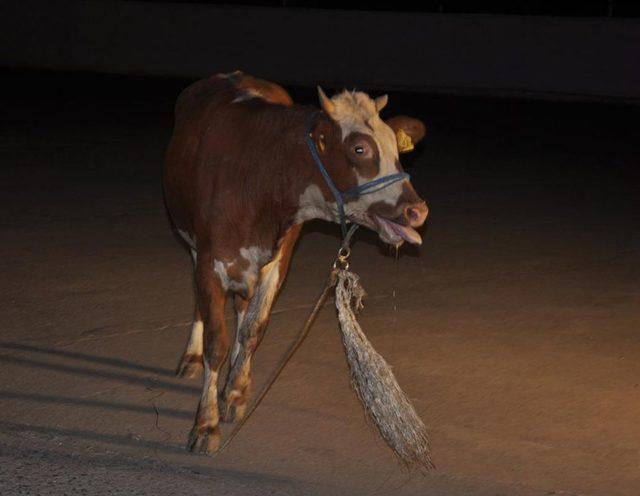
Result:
[538,56]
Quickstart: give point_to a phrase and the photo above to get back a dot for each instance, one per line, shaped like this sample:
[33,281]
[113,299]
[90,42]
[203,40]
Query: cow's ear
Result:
[408,130]
[325,103]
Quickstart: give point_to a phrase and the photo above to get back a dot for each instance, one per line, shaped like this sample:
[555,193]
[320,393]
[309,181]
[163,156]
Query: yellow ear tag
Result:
[321,143]
[404,141]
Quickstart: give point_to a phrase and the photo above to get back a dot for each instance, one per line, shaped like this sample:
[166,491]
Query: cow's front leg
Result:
[191,360]
[252,320]
[205,434]
[233,401]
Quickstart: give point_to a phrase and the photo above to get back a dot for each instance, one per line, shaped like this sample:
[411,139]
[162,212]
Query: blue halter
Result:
[342,196]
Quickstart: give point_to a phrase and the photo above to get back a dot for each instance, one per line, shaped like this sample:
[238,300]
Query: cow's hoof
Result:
[190,366]
[205,440]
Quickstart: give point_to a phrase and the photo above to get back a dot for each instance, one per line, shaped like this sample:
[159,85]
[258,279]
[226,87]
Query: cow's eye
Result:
[359,150]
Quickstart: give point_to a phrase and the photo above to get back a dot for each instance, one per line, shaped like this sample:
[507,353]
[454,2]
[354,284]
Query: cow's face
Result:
[357,146]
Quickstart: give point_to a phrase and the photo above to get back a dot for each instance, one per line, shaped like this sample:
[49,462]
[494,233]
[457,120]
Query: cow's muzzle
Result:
[401,228]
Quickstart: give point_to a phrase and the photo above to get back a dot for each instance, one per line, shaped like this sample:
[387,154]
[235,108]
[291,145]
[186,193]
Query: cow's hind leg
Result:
[241,305]
[205,434]
[233,401]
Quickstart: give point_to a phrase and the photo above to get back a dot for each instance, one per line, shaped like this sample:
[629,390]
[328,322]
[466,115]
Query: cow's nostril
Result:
[413,213]
[416,214]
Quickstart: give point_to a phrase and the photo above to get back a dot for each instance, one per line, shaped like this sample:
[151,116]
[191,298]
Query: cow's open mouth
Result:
[395,234]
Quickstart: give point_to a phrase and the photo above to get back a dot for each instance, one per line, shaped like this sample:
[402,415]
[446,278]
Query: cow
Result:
[239,182]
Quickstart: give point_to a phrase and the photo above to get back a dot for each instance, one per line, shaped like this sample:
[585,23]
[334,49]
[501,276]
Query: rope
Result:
[375,384]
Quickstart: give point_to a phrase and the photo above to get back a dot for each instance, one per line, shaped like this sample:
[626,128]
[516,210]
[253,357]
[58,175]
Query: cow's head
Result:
[357,146]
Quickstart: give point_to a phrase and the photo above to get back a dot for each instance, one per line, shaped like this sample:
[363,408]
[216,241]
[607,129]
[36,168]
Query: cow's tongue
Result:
[395,230]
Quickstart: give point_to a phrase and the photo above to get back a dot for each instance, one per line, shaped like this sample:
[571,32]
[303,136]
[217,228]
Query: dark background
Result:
[601,8]
[557,50]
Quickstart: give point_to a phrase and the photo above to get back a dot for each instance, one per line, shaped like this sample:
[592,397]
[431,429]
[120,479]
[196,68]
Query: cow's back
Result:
[205,104]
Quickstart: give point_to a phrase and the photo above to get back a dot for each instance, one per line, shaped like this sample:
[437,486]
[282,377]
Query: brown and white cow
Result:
[239,182]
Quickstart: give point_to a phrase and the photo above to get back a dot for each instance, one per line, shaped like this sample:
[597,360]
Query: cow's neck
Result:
[312,193]
[293,189]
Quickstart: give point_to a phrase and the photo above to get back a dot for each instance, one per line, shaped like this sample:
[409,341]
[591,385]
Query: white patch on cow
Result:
[194,346]
[220,268]
[236,344]
[240,317]
[191,241]
[209,396]
[312,205]
[229,75]
[269,281]
[247,94]
[256,257]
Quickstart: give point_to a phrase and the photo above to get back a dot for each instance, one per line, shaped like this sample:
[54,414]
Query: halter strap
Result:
[342,196]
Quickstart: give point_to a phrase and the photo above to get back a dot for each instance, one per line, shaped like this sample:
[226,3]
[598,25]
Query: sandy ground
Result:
[514,329]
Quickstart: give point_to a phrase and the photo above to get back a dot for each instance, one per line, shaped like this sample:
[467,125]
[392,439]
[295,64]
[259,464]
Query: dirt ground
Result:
[514,328]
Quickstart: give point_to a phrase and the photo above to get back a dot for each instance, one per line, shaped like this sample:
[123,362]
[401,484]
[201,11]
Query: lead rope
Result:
[382,398]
